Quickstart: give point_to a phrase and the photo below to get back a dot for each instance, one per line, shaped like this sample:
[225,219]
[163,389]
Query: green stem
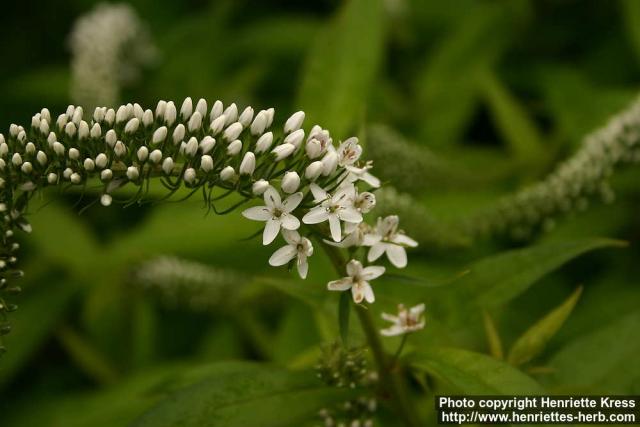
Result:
[391,380]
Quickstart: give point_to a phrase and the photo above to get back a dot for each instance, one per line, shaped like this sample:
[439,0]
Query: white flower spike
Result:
[297,247]
[405,322]
[276,213]
[357,280]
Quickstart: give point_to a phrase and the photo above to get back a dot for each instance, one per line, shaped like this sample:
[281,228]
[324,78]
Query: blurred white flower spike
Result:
[109,47]
[406,321]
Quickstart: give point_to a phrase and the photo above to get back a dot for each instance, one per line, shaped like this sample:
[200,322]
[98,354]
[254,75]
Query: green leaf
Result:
[497,279]
[342,65]
[344,310]
[493,337]
[631,17]
[265,397]
[512,120]
[603,361]
[475,373]
[533,341]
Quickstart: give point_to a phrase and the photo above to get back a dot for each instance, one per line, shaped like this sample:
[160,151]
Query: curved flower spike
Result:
[406,321]
[276,213]
[387,238]
[298,247]
[358,281]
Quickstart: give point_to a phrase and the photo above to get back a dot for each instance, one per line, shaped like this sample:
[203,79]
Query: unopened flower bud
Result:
[167,165]
[74,153]
[234,147]
[259,187]
[106,175]
[159,135]
[122,114]
[16,159]
[170,113]
[187,108]
[270,113]
[329,162]
[30,148]
[246,117]
[294,122]
[190,175]
[96,131]
[106,199]
[314,170]
[295,138]
[227,173]
[147,118]
[191,148]
[70,129]
[143,153]
[52,178]
[132,125]
[201,107]
[178,133]
[231,113]
[44,127]
[259,123]
[75,178]
[89,165]
[83,130]
[27,167]
[233,131]
[195,121]
[155,156]
[58,148]
[283,151]
[161,108]
[290,182]
[264,142]
[248,164]
[110,116]
[120,149]
[138,112]
[111,138]
[41,157]
[216,110]
[207,144]
[206,163]
[101,160]
[133,173]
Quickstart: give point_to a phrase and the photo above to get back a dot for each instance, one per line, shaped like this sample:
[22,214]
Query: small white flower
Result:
[349,152]
[387,238]
[358,281]
[298,247]
[406,321]
[365,201]
[294,122]
[355,235]
[334,209]
[355,173]
[248,164]
[276,213]
[290,182]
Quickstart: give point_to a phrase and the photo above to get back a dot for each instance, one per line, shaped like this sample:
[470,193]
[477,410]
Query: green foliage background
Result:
[485,98]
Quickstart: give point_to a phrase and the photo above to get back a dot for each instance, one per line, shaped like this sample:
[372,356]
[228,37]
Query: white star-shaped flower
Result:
[362,174]
[298,247]
[334,209]
[349,152]
[406,321]
[387,238]
[358,281]
[276,213]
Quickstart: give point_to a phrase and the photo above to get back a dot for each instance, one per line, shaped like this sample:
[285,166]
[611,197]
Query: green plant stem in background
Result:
[390,379]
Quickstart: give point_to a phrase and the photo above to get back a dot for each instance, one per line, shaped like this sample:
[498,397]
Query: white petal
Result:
[371,239]
[354,268]
[257,213]
[397,255]
[334,225]
[345,195]
[357,293]
[292,237]
[368,292]
[350,215]
[417,310]
[318,193]
[376,251]
[283,255]
[271,230]
[272,198]
[390,317]
[340,284]
[316,215]
[289,222]
[303,268]
[370,179]
[292,202]
[401,239]
[392,331]
[372,272]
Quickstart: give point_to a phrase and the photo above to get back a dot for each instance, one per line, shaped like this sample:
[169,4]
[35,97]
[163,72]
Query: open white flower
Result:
[334,209]
[387,238]
[349,152]
[298,247]
[358,281]
[276,213]
[362,174]
[406,321]
[355,234]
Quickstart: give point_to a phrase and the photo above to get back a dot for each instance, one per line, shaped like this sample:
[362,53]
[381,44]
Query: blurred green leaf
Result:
[604,360]
[493,337]
[475,373]
[512,120]
[533,341]
[630,12]
[257,397]
[342,65]
[497,279]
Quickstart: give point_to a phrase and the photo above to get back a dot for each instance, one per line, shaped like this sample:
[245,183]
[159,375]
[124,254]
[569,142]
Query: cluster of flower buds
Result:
[109,46]
[340,366]
[570,187]
[310,186]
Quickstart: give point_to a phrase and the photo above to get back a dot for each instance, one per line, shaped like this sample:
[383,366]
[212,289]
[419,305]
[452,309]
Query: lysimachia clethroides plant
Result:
[306,188]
